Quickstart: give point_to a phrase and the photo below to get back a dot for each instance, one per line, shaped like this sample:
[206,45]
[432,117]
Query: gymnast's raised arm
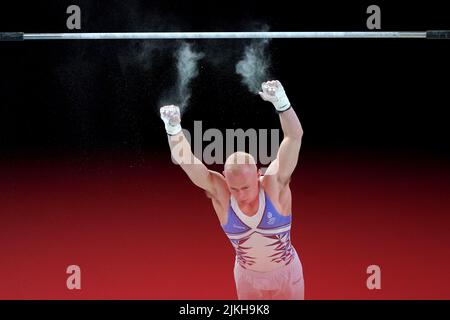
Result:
[283,166]
[180,148]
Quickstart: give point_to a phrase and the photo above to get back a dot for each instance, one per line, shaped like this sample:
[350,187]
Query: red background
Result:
[143,231]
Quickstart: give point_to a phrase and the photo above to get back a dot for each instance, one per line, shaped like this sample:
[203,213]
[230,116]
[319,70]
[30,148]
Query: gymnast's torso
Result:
[261,241]
[260,230]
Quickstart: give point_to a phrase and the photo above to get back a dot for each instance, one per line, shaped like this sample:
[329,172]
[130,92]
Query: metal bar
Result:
[430,34]
[222,35]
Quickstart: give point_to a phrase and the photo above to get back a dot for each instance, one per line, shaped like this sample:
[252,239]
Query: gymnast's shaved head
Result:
[240,161]
[242,177]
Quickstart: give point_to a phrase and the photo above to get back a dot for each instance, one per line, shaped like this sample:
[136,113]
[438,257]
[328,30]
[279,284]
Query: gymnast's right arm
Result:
[182,153]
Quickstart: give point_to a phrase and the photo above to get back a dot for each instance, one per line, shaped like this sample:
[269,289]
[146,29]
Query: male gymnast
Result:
[254,210]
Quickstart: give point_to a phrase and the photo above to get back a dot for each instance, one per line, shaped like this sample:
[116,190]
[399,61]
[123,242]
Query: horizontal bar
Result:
[430,34]
[219,35]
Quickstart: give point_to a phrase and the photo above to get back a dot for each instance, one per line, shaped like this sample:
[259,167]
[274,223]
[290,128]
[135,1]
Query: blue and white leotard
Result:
[262,241]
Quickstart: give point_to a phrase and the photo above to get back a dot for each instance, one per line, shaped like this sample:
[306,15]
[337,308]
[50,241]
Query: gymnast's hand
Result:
[172,119]
[274,92]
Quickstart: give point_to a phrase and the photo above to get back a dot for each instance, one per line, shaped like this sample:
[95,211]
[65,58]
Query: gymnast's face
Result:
[243,182]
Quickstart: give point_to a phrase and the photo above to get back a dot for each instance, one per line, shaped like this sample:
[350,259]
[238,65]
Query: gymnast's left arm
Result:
[287,157]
